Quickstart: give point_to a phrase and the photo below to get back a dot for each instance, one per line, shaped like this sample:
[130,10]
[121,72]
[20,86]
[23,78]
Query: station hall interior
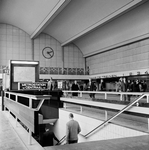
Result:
[102,45]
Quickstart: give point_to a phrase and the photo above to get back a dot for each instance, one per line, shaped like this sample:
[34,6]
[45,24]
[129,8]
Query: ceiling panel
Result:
[25,14]
[80,15]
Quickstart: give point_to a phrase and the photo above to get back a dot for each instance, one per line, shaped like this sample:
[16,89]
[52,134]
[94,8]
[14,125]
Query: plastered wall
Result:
[126,58]
[15,44]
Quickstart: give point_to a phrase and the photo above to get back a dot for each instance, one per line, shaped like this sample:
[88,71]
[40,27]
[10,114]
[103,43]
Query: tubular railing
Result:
[61,140]
[113,117]
[106,94]
[143,96]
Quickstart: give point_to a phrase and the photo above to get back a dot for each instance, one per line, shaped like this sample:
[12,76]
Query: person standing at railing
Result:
[75,87]
[72,130]
[50,84]
[91,87]
[102,85]
[136,86]
[124,87]
[129,89]
[144,85]
[118,85]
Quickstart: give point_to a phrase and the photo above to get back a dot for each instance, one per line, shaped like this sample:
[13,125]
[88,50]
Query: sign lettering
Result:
[33,86]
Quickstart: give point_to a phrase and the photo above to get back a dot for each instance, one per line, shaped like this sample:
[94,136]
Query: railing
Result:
[142,96]
[105,94]
[61,140]
[24,112]
[113,117]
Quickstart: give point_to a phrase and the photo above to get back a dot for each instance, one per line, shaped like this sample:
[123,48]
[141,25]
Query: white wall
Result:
[111,131]
[127,58]
[42,41]
[15,44]
[73,57]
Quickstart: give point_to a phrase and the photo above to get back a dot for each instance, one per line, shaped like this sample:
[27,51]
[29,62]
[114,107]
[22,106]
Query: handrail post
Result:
[65,106]
[64,93]
[29,137]
[30,102]
[147,98]
[105,95]
[80,94]
[9,109]
[29,132]
[106,115]
[16,116]
[121,97]
[148,124]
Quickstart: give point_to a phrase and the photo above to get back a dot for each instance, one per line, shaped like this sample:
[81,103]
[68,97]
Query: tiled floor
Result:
[9,139]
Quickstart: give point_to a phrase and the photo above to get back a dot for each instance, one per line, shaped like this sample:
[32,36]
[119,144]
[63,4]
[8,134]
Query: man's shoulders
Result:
[72,122]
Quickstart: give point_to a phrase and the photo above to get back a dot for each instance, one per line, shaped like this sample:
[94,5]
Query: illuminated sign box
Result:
[33,86]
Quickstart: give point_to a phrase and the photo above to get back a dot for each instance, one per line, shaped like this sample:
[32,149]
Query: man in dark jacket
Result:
[91,87]
[48,137]
[75,87]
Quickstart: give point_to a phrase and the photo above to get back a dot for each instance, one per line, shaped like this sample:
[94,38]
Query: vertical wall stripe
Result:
[63,57]
[32,40]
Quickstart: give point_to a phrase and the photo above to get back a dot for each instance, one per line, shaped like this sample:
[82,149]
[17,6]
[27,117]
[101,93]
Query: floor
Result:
[9,140]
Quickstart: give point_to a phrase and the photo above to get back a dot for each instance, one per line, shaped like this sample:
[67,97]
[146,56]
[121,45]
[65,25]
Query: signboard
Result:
[122,74]
[32,86]
[24,74]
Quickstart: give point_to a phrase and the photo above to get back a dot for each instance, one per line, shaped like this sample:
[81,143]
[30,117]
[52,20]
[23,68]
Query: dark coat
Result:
[75,87]
[48,138]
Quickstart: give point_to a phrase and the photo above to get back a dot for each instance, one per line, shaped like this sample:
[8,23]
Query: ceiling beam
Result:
[56,10]
[104,20]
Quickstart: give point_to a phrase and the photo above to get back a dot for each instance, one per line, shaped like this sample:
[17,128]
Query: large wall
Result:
[119,45]
[126,58]
[15,44]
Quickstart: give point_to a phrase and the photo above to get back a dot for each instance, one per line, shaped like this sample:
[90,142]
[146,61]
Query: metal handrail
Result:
[61,140]
[113,117]
[104,92]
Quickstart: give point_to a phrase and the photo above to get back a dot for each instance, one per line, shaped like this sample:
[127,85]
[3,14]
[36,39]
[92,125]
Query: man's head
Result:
[75,82]
[71,116]
[49,128]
